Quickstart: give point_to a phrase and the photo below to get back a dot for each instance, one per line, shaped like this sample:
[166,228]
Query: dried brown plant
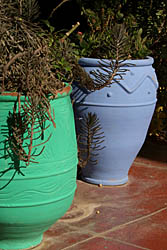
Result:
[27,68]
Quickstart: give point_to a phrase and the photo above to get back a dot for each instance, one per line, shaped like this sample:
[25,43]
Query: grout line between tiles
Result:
[131,244]
[136,220]
[117,228]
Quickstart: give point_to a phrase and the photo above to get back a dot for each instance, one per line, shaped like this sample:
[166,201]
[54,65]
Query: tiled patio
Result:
[128,217]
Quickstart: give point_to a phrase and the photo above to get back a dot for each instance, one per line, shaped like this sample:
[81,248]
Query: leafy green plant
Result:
[158,128]
[95,40]
[111,71]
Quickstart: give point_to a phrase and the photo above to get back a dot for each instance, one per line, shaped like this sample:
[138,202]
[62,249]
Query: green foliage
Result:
[113,70]
[101,18]
[158,128]
[110,70]
[63,53]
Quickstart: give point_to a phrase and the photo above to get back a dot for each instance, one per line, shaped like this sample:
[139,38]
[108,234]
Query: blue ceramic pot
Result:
[125,111]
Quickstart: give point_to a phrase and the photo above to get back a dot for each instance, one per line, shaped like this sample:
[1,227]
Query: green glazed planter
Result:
[30,204]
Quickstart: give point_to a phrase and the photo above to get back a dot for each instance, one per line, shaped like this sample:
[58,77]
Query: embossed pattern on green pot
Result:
[30,204]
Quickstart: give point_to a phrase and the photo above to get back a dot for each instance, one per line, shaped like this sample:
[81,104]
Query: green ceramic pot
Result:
[30,204]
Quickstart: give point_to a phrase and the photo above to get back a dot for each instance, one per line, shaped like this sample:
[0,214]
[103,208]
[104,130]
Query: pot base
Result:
[110,182]
[18,244]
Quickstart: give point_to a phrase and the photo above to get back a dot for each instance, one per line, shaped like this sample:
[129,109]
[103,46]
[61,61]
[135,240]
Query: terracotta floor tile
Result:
[62,235]
[58,229]
[103,244]
[149,233]
[53,241]
[144,194]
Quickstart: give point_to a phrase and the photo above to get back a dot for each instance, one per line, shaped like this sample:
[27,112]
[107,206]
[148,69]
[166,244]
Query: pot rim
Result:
[94,62]
[11,96]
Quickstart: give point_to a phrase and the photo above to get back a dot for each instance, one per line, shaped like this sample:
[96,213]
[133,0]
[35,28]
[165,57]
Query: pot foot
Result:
[109,182]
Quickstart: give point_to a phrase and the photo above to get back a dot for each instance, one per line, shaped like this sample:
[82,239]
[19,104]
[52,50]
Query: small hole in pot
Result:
[109,94]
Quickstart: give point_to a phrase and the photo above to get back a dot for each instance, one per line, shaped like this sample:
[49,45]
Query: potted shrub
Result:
[38,150]
[121,94]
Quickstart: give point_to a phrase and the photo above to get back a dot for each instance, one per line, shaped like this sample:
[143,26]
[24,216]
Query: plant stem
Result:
[74,27]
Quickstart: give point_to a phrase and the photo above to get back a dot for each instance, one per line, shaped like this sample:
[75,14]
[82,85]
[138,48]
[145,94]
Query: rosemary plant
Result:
[111,70]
